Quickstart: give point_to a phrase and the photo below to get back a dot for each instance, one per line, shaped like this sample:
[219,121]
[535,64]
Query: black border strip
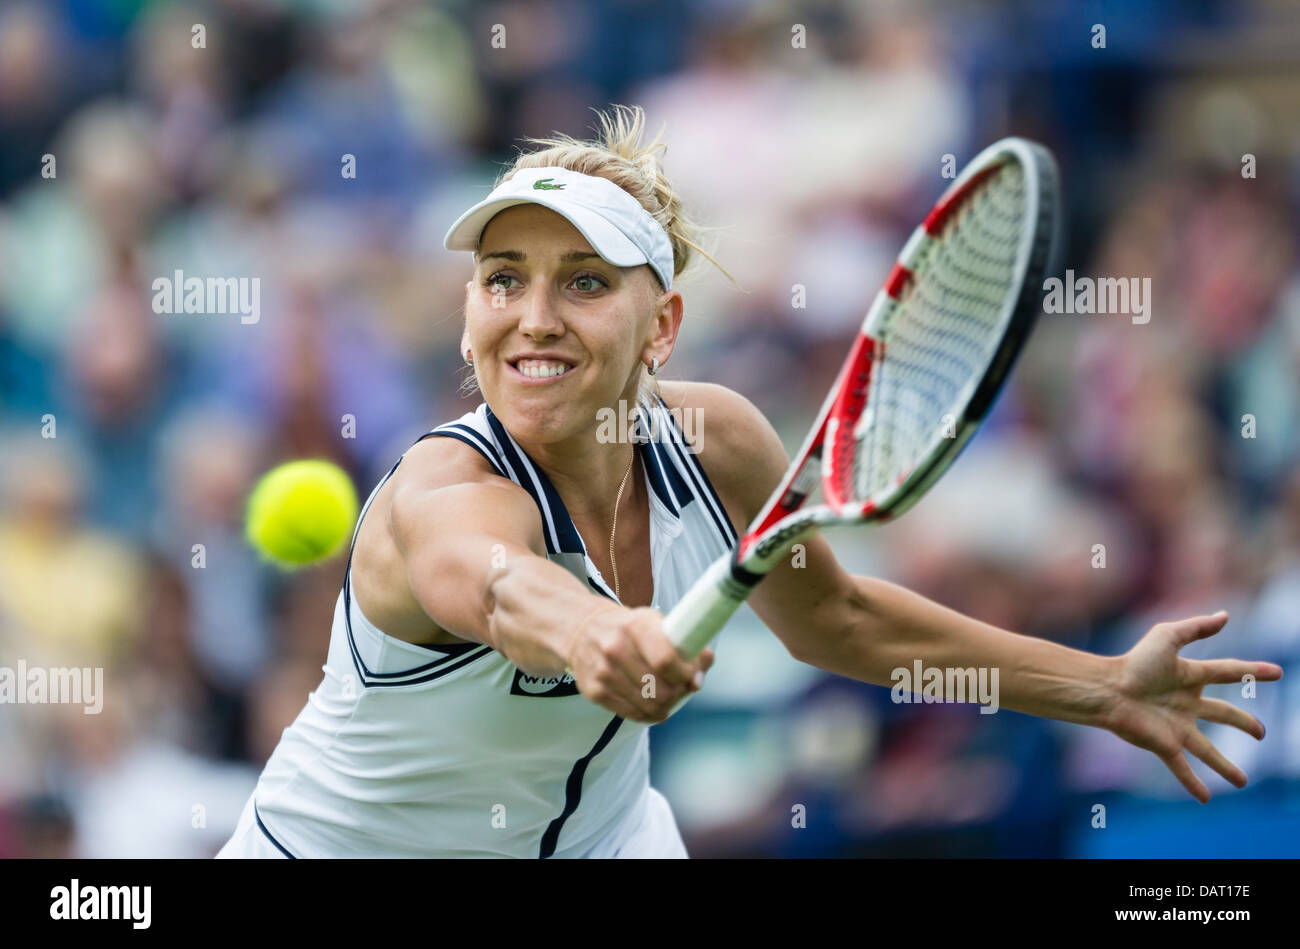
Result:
[710,499]
[573,789]
[657,475]
[550,534]
[270,836]
[463,433]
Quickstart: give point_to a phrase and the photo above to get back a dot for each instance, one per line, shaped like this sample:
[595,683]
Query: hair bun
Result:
[620,155]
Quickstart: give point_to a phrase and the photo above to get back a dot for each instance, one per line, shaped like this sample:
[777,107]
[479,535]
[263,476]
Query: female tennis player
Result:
[497,649]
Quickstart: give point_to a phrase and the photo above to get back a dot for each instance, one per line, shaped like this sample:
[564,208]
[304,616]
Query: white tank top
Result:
[450,750]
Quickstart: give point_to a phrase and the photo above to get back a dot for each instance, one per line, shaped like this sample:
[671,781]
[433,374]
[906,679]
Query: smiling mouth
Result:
[540,369]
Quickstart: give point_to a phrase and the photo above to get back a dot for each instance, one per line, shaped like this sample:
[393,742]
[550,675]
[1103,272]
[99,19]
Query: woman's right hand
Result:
[623,660]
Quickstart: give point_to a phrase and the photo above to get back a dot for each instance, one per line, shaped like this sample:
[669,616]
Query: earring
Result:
[654,367]
[468,357]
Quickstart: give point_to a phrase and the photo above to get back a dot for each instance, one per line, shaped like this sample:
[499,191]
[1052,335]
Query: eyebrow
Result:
[572,257]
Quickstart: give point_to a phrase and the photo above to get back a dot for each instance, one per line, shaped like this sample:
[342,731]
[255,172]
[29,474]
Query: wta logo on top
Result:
[632,424]
[1105,296]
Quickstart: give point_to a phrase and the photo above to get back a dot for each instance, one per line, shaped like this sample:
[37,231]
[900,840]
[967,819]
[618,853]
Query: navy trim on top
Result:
[696,472]
[451,660]
[570,540]
[654,471]
[451,649]
[554,511]
[573,789]
[270,836]
[522,477]
[471,438]
[660,472]
[448,652]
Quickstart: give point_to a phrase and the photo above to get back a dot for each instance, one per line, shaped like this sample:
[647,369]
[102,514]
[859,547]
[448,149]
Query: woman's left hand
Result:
[1158,699]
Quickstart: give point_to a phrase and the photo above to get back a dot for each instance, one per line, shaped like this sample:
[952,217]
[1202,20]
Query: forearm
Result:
[534,607]
[886,627]
[476,564]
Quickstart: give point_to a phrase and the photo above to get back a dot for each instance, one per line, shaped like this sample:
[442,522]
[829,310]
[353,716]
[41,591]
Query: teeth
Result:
[541,368]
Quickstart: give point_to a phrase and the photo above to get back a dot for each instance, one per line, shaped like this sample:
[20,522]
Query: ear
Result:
[663,331]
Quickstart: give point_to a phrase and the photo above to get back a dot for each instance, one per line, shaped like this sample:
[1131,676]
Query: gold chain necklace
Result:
[612,562]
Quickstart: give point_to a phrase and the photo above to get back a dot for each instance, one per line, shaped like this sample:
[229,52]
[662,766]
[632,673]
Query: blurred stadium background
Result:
[814,164]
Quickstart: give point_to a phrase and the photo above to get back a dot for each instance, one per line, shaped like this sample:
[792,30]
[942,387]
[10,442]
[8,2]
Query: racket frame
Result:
[784,520]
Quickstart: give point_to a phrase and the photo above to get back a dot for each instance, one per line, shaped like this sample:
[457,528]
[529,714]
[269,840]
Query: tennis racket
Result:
[935,346]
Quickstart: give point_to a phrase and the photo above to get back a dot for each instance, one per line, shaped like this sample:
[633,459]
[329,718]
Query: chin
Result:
[539,417]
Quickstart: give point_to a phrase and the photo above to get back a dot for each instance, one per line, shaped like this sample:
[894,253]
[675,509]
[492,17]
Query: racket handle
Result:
[705,608]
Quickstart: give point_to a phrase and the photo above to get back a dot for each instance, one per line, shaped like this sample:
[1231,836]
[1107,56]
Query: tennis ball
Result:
[301,512]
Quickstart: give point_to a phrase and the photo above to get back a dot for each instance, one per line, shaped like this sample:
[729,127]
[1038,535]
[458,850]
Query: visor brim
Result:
[605,238]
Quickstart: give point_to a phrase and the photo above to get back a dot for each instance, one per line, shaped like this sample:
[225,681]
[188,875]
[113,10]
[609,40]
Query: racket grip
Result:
[705,608]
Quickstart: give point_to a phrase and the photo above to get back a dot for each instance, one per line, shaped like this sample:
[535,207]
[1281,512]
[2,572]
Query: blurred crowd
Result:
[1131,473]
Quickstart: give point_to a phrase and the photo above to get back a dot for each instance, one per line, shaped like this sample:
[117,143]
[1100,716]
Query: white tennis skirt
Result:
[649,832]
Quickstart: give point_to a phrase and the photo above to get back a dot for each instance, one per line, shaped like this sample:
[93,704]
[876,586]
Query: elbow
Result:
[499,592]
[515,599]
[800,653]
[812,648]
[832,630]
[806,643]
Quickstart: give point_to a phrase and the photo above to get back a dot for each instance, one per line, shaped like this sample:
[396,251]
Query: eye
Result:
[499,281]
[588,282]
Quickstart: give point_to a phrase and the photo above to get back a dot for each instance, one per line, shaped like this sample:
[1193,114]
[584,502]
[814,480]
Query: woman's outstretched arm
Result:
[869,629]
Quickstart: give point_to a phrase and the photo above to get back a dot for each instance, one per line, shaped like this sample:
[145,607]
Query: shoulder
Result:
[443,461]
[723,418]
[442,496]
[737,446]
[445,474]
[437,461]
[709,395]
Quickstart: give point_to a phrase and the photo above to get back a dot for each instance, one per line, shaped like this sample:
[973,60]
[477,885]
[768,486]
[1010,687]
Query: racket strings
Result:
[942,334]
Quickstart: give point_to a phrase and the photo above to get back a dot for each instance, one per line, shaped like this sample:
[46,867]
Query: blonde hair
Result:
[619,155]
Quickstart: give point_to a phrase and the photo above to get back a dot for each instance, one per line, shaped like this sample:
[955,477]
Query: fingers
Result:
[1204,749]
[664,675]
[1217,671]
[616,686]
[631,667]
[614,701]
[619,673]
[1223,671]
[1225,713]
[660,656]
[1189,630]
[1184,773]
[600,662]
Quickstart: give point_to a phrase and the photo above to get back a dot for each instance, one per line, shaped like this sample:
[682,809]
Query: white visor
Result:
[612,221]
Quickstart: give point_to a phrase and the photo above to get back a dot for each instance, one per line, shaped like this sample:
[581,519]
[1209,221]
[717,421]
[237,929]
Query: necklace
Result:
[612,562]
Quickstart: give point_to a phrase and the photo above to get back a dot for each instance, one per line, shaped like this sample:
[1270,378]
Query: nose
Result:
[540,316]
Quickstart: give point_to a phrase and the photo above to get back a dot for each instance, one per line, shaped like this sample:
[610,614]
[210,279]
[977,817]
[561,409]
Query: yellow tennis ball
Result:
[301,512]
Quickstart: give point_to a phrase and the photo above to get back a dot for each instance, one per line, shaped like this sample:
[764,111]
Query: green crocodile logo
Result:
[544,184]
